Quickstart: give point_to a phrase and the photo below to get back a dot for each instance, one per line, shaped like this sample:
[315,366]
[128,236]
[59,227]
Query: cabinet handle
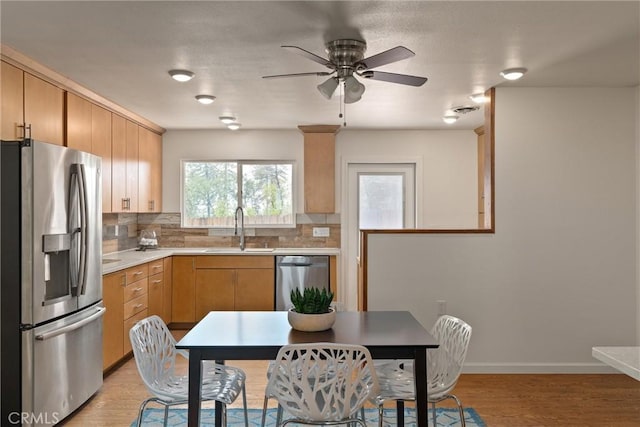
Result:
[137,306]
[25,127]
[137,273]
[152,205]
[157,281]
[124,204]
[137,290]
[123,283]
[155,267]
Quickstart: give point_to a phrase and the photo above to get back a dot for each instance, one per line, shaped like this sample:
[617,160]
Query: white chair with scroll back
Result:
[155,354]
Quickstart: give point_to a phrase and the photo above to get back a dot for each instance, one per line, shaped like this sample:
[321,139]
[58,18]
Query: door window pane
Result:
[381,201]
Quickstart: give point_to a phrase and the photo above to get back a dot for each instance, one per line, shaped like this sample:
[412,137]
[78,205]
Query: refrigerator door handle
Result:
[77,325]
[77,171]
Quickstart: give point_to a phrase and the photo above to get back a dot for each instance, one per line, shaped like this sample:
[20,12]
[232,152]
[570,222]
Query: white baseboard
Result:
[537,368]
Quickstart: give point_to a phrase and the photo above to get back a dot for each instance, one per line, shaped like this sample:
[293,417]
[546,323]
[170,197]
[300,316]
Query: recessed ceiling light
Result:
[227,119]
[205,99]
[181,75]
[513,73]
[234,126]
[479,98]
[450,119]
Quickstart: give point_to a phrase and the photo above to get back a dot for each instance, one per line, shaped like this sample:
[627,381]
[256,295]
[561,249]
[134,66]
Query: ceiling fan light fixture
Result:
[479,98]
[328,87]
[353,90]
[513,73]
[234,126]
[227,119]
[181,75]
[205,99]
[450,119]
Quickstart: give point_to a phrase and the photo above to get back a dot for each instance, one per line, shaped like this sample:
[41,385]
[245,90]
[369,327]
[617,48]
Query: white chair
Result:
[444,366]
[155,354]
[322,383]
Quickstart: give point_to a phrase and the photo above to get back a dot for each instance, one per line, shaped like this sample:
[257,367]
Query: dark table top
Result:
[257,334]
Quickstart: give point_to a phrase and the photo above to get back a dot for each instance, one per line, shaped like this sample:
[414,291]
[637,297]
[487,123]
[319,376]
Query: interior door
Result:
[379,196]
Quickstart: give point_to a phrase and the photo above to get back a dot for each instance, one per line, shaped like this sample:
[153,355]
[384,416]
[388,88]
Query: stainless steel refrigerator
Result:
[51,289]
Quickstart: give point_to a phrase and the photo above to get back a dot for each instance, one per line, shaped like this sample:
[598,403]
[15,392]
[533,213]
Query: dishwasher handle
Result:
[295,264]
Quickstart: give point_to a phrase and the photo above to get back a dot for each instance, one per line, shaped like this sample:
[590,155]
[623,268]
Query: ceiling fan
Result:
[346,60]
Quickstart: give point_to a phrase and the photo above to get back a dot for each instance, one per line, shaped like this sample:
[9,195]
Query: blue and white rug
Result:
[446,417]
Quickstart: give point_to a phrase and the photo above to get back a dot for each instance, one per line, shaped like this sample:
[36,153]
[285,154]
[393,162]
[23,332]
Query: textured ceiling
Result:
[123,50]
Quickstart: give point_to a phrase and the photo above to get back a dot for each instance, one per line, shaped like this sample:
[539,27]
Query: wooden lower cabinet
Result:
[131,295]
[221,282]
[234,283]
[183,289]
[214,291]
[126,327]
[255,289]
[156,294]
[167,291]
[112,333]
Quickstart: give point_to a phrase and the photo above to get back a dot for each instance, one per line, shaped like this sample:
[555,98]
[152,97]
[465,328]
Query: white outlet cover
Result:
[320,231]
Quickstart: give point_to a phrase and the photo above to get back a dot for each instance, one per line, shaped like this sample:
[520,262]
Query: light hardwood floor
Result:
[610,400]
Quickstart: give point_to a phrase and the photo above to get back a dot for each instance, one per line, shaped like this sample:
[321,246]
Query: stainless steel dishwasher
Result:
[297,271]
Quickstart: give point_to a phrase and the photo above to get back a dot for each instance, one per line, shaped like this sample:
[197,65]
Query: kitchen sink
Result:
[109,260]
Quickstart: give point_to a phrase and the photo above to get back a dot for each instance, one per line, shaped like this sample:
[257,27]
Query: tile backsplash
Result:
[120,232]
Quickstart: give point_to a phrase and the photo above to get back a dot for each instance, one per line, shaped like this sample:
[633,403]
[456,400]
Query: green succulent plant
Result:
[311,301]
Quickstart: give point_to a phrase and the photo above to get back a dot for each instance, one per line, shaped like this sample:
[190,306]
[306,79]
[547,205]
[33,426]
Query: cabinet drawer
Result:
[155,267]
[128,324]
[135,289]
[235,261]
[136,273]
[135,306]
[156,280]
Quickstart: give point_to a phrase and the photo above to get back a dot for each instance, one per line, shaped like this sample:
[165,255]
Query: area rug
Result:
[445,417]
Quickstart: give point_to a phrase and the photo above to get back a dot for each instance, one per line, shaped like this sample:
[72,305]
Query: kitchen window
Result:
[212,190]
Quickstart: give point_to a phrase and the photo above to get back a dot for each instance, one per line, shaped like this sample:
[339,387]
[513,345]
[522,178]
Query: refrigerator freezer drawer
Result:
[67,363]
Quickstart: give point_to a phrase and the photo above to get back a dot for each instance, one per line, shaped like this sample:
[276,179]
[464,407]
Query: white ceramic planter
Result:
[311,322]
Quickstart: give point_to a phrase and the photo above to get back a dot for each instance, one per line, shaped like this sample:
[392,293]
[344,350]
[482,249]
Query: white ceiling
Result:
[123,50]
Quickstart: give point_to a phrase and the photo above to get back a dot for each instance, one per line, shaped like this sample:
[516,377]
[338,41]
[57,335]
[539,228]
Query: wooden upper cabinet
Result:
[149,171]
[124,165]
[78,123]
[132,130]
[118,164]
[11,102]
[319,168]
[43,110]
[101,146]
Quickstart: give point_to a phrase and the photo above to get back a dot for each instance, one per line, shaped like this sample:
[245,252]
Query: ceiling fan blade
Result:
[403,79]
[395,54]
[277,76]
[309,55]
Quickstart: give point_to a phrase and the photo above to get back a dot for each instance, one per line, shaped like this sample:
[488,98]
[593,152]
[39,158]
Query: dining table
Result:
[259,335]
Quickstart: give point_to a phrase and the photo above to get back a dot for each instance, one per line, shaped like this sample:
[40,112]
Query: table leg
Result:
[420,372]
[218,414]
[195,379]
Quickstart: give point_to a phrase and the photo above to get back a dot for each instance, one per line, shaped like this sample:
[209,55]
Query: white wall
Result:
[559,274]
[447,171]
[180,145]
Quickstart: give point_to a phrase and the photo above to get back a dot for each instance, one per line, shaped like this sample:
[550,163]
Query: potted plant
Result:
[311,311]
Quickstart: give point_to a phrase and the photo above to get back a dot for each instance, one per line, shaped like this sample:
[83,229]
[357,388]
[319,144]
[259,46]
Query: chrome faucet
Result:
[235,232]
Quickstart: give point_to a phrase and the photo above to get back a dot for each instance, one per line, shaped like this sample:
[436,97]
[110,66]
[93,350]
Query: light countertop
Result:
[116,261]
[624,359]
